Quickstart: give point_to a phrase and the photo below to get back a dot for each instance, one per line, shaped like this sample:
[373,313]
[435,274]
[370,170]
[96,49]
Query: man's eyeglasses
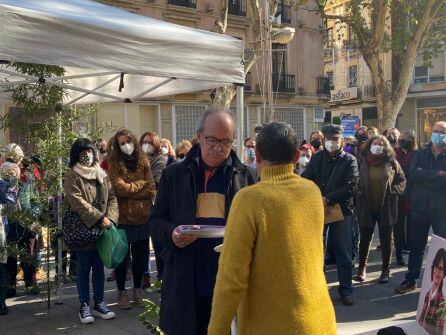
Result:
[212,142]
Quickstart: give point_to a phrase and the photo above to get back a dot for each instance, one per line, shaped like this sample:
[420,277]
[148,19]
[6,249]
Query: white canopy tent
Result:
[112,55]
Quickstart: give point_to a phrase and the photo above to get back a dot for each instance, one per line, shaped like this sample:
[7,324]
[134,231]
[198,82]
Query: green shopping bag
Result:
[112,246]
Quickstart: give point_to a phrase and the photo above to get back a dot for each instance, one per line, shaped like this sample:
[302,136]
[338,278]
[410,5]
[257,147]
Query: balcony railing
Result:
[323,86]
[285,11]
[248,82]
[329,53]
[350,47]
[284,83]
[367,92]
[183,3]
[237,7]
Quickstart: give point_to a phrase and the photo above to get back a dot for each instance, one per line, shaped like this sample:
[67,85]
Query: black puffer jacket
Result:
[176,205]
[337,178]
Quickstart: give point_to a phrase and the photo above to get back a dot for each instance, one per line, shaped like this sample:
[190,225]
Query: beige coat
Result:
[80,194]
[135,192]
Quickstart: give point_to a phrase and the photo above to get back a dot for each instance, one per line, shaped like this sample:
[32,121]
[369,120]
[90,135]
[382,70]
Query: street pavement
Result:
[376,306]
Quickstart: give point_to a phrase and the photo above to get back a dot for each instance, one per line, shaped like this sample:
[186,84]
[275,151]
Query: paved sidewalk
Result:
[376,306]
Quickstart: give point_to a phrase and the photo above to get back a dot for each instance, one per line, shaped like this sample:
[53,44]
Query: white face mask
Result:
[376,149]
[128,148]
[303,161]
[332,146]
[164,151]
[147,148]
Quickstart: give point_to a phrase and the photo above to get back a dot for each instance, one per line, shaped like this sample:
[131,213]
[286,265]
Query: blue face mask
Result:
[250,153]
[438,139]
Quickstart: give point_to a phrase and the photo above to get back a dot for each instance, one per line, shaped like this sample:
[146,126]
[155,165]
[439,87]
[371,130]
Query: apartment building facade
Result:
[296,67]
[350,89]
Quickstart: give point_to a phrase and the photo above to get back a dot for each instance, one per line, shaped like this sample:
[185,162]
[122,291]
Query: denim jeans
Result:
[86,261]
[419,225]
[342,232]
[2,282]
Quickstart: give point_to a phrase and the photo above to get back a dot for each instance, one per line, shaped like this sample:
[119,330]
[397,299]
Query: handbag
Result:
[75,234]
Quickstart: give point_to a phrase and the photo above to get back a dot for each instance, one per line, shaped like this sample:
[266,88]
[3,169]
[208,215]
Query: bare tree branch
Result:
[222,21]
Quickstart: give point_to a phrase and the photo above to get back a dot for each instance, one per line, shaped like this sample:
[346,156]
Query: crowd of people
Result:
[273,201]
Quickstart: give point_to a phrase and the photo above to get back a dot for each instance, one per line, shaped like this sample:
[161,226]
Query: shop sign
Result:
[344,94]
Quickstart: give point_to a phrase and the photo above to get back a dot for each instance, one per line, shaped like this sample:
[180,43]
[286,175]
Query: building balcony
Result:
[237,7]
[284,83]
[322,86]
[248,82]
[367,92]
[329,53]
[183,3]
[285,12]
[350,47]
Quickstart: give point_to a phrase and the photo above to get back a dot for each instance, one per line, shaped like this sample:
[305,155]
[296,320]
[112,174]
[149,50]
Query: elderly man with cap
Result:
[336,174]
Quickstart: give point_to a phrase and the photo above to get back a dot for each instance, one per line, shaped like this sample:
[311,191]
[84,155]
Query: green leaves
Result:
[150,314]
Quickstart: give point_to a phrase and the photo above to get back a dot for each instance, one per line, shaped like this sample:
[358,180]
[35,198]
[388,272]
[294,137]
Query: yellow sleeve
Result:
[234,263]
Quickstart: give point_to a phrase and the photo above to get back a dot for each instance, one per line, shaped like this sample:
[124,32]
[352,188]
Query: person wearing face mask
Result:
[132,179]
[182,149]
[336,174]
[250,155]
[150,145]
[405,152]
[316,140]
[393,135]
[427,174]
[89,193]
[167,151]
[372,132]
[361,137]
[381,181]
[306,151]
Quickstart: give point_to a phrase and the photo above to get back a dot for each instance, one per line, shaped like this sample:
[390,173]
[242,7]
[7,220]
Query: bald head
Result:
[215,132]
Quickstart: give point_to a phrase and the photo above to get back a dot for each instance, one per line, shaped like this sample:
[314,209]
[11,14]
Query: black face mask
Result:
[406,144]
[362,138]
[391,138]
[316,144]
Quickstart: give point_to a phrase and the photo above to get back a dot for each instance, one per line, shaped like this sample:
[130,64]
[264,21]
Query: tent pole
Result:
[59,217]
[153,88]
[240,122]
[95,89]
[126,115]
[159,121]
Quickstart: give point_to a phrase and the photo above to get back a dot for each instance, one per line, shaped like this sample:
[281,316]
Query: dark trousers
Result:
[419,225]
[158,248]
[203,306]
[90,261]
[385,238]
[140,257]
[342,237]
[400,234]
[2,282]
[29,263]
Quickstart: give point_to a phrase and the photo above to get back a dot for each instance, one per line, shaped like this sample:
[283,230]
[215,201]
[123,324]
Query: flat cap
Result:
[333,130]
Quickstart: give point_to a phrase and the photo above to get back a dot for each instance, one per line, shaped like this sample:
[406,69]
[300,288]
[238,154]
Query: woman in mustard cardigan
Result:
[271,266]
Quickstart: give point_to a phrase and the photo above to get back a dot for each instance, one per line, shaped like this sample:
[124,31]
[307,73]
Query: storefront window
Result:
[428,119]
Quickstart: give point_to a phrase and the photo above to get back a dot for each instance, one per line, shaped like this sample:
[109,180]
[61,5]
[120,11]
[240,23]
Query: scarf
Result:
[375,160]
[129,161]
[90,172]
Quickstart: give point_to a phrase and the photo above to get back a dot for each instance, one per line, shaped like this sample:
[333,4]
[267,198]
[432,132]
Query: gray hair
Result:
[210,111]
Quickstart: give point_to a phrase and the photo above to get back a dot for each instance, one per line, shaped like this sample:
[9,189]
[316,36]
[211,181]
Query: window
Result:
[294,116]
[329,38]
[352,76]
[186,118]
[319,114]
[421,74]
[279,58]
[330,79]
[436,79]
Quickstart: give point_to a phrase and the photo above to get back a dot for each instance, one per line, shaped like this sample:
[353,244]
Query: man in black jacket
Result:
[196,191]
[427,200]
[336,174]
